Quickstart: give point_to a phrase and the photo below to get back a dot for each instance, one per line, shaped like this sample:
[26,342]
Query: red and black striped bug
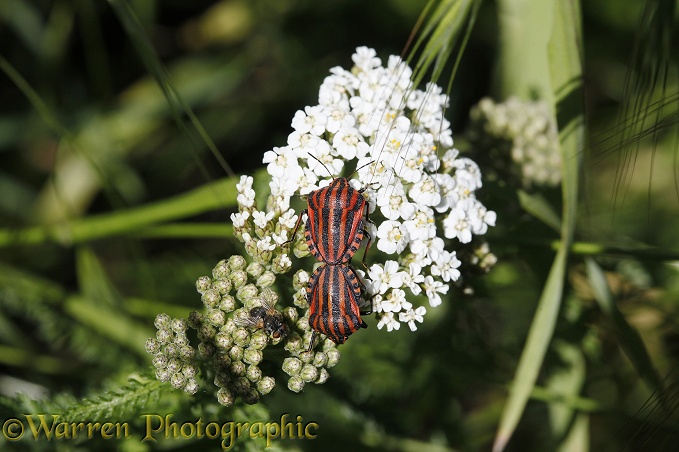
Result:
[333,293]
[334,228]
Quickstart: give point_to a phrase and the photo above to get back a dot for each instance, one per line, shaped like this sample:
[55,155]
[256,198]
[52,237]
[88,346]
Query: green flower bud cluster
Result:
[173,356]
[310,366]
[236,325]
[230,337]
[522,131]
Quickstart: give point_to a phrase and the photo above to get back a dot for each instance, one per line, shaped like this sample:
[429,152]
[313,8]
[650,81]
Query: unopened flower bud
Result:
[295,383]
[210,298]
[241,385]
[206,332]
[162,321]
[189,370]
[269,295]
[266,279]
[309,373]
[241,337]
[320,359]
[291,314]
[223,286]
[247,292]
[239,278]
[222,378]
[171,350]
[223,340]
[195,319]
[333,357]
[265,385]
[252,356]
[251,397]
[229,327]
[222,359]
[237,262]
[221,270]
[323,376]
[203,284]
[152,346]
[255,269]
[225,397]
[236,353]
[294,344]
[292,366]
[173,365]
[227,304]
[191,386]
[238,368]
[215,317]
[186,352]
[177,380]
[300,249]
[178,325]
[163,375]
[306,357]
[159,361]
[253,373]
[206,349]
[258,340]
[163,336]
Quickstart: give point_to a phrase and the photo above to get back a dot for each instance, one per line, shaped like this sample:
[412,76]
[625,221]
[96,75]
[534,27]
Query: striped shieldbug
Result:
[334,228]
[333,294]
[333,232]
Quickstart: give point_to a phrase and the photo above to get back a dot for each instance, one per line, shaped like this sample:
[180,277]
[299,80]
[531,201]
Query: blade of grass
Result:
[212,196]
[152,61]
[565,78]
[536,205]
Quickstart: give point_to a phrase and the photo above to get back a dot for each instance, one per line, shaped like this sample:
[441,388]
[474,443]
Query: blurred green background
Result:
[96,120]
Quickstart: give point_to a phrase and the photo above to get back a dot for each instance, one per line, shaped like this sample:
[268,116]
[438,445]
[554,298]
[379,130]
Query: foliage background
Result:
[87,133]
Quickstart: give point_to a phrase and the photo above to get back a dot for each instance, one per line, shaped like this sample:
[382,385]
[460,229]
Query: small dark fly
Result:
[265,317]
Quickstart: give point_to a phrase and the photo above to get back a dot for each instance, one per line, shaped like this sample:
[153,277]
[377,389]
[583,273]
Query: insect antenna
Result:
[322,164]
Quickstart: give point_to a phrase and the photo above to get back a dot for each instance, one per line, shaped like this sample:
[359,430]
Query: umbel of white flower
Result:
[421,192]
[523,131]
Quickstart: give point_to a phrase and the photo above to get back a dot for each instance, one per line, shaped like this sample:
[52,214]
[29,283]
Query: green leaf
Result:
[539,337]
[536,205]
[565,76]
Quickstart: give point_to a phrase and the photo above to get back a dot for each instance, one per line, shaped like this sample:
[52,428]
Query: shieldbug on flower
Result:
[333,293]
[333,232]
[334,228]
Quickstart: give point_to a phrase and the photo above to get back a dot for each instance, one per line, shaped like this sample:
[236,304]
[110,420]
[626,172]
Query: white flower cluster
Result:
[373,120]
[530,132]
[262,232]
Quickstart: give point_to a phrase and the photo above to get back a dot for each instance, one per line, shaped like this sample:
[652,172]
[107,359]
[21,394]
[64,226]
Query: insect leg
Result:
[367,234]
[294,231]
